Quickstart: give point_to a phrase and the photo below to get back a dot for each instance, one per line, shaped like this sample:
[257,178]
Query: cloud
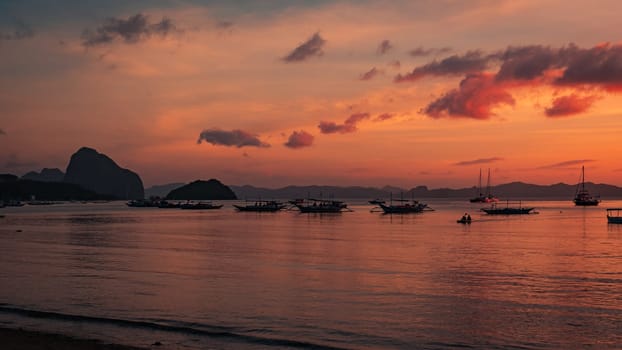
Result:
[475,98]
[384,47]
[237,138]
[568,163]
[2,132]
[131,30]
[569,105]
[384,116]
[471,62]
[422,52]
[20,31]
[299,139]
[348,126]
[370,74]
[312,47]
[478,161]
[600,65]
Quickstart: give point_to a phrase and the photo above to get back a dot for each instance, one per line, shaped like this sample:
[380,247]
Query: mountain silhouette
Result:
[97,172]
[46,175]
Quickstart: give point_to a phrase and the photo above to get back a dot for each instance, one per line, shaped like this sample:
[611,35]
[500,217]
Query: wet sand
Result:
[18,339]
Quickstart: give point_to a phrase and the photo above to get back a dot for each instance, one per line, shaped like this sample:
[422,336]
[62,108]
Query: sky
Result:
[274,93]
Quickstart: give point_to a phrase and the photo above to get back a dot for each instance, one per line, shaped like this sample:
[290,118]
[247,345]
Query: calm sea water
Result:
[358,280]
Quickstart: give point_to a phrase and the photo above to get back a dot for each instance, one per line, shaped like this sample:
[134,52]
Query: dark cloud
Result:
[600,65]
[233,138]
[348,126]
[2,132]
[568,163]
[384,116]
[299,139]
[478,161]
[224,25]
[422,52]
[475,98]
[384,47]
[131,30]
[471,62]
[568,105]
[312,47]
[370,74]
[19,31]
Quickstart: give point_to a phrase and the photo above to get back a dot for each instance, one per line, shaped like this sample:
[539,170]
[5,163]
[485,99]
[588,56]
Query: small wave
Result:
[190,328]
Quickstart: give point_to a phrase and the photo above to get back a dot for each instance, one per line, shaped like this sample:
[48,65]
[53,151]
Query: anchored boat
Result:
[614,215]
[516,209]
[262,206]
[319,205]
[582,197]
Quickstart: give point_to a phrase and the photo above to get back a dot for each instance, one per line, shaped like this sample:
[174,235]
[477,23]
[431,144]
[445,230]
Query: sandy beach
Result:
[18,339]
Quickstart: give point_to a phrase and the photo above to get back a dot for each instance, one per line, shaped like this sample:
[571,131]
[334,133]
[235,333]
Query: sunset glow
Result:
[277,93]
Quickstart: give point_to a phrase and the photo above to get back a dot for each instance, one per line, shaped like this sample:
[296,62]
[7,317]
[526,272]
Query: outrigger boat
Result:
[200,205]
[405,206]
[262,206]
[582,196]
[319,205]
[507,210]
[614,215]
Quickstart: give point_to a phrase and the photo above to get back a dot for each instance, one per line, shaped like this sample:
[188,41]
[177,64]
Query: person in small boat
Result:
[468,218]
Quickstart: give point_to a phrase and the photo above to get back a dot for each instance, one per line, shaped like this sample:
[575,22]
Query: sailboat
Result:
[582,197]
[481,198]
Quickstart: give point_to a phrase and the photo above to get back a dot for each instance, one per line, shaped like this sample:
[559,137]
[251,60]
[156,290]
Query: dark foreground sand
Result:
[17,339]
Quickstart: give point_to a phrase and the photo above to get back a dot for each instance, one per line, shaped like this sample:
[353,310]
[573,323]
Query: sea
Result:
[222,279]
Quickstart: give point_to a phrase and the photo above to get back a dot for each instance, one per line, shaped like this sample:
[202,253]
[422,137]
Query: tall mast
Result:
[583,177]
[488,184]
[479,184]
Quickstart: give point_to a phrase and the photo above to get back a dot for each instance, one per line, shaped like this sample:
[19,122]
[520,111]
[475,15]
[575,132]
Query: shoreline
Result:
[21,339]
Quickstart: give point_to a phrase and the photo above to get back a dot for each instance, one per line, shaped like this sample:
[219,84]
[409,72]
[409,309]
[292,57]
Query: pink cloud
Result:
[569,105]
[348,126]
[299,139]
[475,98]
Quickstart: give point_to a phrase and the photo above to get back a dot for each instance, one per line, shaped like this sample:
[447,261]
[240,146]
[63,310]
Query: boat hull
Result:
[259,208]
[402,209]
[614,219]
[320,209]
[507,211]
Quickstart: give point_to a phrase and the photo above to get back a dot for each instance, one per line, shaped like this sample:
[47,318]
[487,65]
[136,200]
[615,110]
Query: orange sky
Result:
[378,93]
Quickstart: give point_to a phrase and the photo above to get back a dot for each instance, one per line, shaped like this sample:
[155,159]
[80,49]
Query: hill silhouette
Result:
[202,190]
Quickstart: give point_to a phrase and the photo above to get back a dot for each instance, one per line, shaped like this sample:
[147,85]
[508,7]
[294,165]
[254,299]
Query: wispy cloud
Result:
[384,47]
[422,52]
[471,62]
[568,105]
[2,132]
[299,139]
[348,126]
[234,138]
[383,117]
[131,30]
[478,161]
[568,163]
[19,31]
[370,74]
[313,47]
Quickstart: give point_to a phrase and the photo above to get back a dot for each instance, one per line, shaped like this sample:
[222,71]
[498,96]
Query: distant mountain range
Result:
[509,191]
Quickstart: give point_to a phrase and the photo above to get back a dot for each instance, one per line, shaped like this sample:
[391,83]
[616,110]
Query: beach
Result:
[20,339]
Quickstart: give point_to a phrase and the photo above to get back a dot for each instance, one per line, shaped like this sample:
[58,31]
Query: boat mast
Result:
[479,184]
[488,184]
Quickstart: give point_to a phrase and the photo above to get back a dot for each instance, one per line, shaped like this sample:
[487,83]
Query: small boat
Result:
[404,206]
[614,215]
[319,205]
[376,201]
[484,198]
[465,219]
[164,204]
[141,203]
[200,205]
[495,209]
[261,206]
[582,197]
